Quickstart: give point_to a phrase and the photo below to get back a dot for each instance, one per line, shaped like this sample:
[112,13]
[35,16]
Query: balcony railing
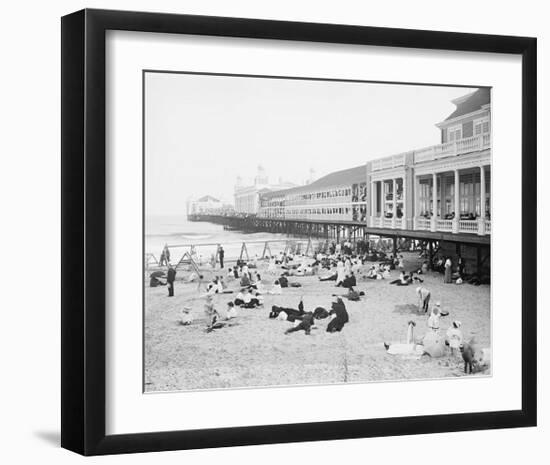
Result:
[444,225]
[376,221]
[451,149]
[468,226]
[422,224]
[393,161]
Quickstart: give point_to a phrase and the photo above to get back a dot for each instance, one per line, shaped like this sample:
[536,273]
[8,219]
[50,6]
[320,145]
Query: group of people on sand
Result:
[434,343]
[305,320]
[340,268]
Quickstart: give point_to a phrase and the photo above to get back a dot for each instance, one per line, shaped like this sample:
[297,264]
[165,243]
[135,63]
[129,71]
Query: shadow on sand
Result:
[406,309]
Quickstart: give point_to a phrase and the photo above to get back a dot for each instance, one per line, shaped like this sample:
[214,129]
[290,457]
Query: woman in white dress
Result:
[272,267]
[341,273]
[409,348]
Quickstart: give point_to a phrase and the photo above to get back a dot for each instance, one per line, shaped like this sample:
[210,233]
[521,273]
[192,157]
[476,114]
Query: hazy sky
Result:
[201,132]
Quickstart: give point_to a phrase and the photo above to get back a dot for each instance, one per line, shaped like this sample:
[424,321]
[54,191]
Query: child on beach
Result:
[186,317]
[231,311]
[276,289]
[454,337]
[211,314]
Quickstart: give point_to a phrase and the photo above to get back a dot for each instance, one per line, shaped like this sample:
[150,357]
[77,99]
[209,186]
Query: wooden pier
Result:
[475,247]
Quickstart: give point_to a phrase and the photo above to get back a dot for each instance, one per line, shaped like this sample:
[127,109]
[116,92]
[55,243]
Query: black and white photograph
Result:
[306,231]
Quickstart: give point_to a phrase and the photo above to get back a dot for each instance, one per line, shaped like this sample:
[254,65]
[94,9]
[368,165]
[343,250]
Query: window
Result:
[481,127]
[454,135]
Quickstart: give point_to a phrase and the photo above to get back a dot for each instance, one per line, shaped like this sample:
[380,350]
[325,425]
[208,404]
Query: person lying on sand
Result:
[352,295]
[409,348]
[331,276]
[305,324]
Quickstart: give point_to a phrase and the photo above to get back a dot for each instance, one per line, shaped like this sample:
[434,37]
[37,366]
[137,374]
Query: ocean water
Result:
[179,234]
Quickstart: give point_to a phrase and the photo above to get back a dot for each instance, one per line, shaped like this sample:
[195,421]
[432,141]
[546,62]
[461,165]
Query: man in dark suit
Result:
[170,278]
[221,254]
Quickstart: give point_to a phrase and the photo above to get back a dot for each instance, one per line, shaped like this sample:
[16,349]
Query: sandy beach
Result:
[254,351]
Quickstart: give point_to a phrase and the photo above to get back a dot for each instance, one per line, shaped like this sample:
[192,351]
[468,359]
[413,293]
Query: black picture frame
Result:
[84,225]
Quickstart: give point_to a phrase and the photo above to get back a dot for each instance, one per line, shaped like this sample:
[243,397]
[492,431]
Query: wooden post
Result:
[309,246]
[394,247]
[430,255]
[266,248]
[244,250]
[478,261]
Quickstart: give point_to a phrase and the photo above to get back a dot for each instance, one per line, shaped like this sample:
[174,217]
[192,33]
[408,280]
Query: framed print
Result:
[279,232]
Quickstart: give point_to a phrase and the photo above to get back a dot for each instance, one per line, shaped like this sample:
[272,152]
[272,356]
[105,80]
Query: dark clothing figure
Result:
[170,278]
[341,318]
[353,295]
[349,281]
[155,282]
[320,313]
[283,281]
[306,324]
[245,281]
[292,313]
[221,254]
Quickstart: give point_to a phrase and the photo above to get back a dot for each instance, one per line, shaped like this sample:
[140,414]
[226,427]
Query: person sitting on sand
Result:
[245,280]
[246,271]
[349,280]
[186,317]
[441,312]
[214,286]
[245,299]
[231,311]
[400,262]
[454,337]
[239,298]
[212,315]
[423,298]
[352,295]
[283,281]
[341,316]
[276,289]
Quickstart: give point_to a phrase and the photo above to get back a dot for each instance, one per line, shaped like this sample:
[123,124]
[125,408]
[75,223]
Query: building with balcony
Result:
[339,196]
[444,187]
